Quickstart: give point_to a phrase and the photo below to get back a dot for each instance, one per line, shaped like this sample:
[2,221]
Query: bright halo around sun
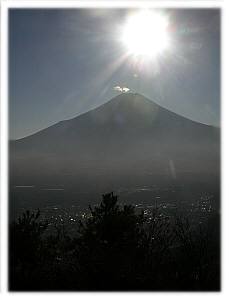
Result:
[146,34]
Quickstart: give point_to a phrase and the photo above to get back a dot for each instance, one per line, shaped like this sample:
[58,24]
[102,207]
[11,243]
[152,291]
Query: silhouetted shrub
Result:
[114,249]
[25,247]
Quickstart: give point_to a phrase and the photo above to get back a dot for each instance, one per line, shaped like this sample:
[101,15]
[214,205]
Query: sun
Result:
[146,34]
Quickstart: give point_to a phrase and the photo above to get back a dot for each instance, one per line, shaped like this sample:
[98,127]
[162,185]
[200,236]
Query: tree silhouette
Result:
[25,245]
[108,244]
[114,248]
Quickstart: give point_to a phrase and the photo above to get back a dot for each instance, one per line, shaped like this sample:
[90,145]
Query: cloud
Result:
[123,89]
[117,88]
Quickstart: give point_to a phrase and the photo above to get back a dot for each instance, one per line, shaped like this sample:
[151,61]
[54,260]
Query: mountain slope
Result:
[129,134]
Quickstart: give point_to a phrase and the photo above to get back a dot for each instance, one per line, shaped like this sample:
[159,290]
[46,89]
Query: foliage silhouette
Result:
[114,249]
[26,244]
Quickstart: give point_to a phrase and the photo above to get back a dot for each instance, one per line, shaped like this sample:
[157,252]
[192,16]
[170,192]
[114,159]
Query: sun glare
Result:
[145,33]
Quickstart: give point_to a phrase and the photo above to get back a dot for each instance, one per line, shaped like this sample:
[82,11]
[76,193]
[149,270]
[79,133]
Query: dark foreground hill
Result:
[116,249]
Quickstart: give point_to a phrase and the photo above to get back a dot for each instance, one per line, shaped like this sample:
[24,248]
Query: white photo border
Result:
[5,6]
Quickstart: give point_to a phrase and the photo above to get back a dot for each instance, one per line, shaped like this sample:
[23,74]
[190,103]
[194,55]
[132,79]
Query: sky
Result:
[63,62]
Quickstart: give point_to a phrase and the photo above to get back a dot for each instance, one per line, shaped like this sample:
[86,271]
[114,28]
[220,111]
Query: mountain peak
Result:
[132,97]
[128,108]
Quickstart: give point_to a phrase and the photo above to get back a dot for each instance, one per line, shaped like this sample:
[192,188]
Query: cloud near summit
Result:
[123,89]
